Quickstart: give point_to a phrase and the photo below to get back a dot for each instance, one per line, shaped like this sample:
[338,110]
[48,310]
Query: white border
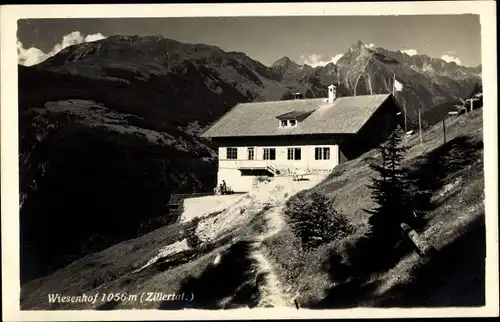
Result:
[9,147]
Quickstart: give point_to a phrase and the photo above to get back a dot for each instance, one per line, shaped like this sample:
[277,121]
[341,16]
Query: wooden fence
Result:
[177,198]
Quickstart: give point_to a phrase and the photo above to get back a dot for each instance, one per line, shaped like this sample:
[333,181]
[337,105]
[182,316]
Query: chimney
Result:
[332,93]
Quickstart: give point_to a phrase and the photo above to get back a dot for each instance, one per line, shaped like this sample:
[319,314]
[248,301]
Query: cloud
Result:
[316,60]
[410,52]
[94,37]
[32,56]
[449,59]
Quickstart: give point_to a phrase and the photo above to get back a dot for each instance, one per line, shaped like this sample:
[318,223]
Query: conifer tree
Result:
[390,190]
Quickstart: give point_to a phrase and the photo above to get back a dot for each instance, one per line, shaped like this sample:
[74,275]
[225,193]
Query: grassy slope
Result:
[453,173]
[112,270]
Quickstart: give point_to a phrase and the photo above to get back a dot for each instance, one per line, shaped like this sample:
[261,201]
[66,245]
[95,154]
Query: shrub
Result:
[261,179]
[315,221]
[192,239]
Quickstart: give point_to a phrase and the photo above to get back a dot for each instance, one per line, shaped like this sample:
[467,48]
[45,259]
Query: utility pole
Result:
[444,130]
[456,121]
[420,125]
[404,106]
[406,127]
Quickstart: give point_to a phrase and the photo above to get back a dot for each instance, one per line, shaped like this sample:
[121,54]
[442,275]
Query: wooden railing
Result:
[177,198]
[272,169]
[191,195]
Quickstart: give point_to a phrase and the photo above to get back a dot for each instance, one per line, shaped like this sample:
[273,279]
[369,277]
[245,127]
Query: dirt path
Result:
[271,290]
[210,229]
[272,294]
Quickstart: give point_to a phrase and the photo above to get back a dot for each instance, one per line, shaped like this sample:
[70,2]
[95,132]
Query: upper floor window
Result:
[322,153]
[293,118]
[232,153]
[269,154]
[294,154]
[251,153]
[288,123]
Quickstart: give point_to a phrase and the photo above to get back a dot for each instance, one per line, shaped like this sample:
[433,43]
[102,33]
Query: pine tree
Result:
[390,190]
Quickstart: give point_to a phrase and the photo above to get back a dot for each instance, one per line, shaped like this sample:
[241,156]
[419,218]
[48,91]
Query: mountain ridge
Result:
[427,81]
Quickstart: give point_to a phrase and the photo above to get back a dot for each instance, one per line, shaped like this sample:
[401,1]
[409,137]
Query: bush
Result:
[192,239]
[315,221]
[261,179]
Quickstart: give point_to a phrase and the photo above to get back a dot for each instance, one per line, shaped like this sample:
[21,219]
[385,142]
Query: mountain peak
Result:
[283,62]
[357,45]
[361,47]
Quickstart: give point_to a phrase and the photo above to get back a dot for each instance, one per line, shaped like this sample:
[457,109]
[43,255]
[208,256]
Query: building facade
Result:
[240,162]
[283,137]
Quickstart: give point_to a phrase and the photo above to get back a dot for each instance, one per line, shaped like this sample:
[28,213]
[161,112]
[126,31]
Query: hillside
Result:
[246,258]
[215,257]
[450,180]
[103,175]
[108,129]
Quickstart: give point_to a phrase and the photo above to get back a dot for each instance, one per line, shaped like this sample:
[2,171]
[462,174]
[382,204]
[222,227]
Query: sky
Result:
[315,40]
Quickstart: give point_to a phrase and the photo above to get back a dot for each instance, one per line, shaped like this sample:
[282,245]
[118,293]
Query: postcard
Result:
[242,161]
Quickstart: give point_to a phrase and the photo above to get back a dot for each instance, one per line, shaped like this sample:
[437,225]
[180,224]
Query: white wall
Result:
[235,180]
[228,168]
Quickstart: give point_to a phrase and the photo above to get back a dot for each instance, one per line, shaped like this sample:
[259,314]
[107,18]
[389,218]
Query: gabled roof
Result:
[346,115]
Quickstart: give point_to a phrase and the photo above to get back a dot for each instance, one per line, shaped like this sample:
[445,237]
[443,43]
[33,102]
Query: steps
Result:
[272,170]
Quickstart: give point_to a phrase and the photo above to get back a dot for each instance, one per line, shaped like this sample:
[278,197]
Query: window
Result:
[287,123]
[269,154]
[251,153]
[232,153]
[298,154]
[322,154]
[294,154]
